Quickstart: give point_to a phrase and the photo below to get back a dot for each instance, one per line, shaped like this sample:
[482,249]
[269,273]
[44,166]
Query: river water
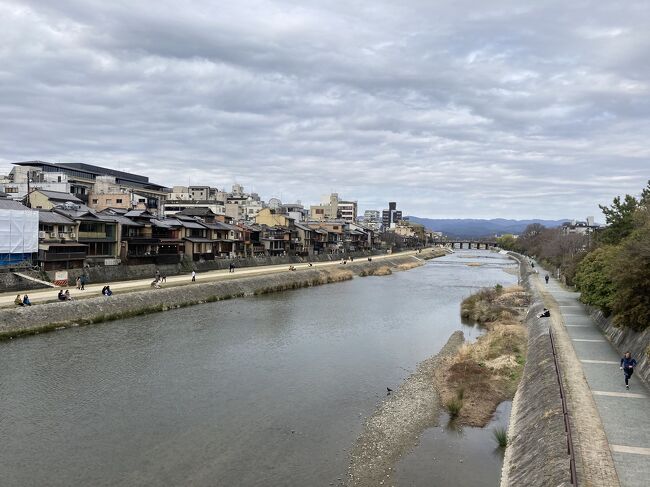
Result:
[262,391]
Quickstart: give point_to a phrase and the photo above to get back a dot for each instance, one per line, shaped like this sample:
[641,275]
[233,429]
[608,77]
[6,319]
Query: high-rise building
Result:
[391,216]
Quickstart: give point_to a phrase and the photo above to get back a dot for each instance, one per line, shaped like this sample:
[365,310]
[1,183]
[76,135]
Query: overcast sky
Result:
[451,108]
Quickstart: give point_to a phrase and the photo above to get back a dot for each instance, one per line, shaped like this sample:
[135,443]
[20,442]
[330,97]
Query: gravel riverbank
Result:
[396,426]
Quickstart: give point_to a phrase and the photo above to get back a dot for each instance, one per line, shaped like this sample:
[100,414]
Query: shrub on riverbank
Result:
[488,370]
[492,304]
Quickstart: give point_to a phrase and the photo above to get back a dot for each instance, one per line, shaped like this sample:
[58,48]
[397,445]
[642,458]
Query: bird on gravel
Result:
[389,391]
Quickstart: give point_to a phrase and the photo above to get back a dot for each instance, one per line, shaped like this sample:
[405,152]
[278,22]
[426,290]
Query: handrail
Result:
[565,411]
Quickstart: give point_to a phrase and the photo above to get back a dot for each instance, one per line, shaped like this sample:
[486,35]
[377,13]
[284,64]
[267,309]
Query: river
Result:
[261,391]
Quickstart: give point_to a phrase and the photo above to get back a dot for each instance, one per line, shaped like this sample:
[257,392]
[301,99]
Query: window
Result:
[94,201]
[109,201]
[11,189]
[320,211]
[118,200]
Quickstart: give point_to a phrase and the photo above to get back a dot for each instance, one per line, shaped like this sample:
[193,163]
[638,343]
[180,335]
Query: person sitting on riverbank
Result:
[310,265]
[26,301]
[155,284]
[61,296]
[106,290]
[67,295]
[292,268]
[18,301]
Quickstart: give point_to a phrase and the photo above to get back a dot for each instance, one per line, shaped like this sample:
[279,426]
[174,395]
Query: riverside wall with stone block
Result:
[130,272]
[537,450]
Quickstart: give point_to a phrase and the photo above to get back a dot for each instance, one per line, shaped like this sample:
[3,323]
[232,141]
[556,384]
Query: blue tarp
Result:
[13,259]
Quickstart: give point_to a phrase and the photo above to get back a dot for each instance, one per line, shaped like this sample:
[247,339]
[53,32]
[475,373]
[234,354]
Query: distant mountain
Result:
[480,228]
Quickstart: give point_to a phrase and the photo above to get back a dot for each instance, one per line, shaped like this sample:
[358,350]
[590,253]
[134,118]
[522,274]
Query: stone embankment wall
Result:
[45,317]
[625,339]
[129,272]
[537,450]
[12,282]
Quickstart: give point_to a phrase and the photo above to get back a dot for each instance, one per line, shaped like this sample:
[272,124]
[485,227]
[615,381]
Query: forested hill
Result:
[480,228]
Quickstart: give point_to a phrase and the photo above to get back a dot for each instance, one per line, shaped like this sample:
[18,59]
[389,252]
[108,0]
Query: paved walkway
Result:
[37,296]
[624,414]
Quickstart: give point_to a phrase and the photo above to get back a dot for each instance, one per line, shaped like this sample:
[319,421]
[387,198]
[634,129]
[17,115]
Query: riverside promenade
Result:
[93,290]
[625,414]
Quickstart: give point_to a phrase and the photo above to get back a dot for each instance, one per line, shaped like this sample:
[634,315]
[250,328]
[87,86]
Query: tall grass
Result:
[453,407]
[501,436]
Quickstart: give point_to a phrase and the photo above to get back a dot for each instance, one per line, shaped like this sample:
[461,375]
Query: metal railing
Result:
[565,412]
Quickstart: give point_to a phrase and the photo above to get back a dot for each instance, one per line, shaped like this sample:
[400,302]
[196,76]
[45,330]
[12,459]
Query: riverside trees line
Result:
[610,269]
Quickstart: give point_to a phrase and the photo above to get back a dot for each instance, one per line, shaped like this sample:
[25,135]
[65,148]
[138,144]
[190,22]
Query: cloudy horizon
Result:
[460,109]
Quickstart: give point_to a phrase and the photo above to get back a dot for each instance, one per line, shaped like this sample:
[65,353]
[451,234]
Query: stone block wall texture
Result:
[130,272]
[538,455]
[12,282]
[537,451]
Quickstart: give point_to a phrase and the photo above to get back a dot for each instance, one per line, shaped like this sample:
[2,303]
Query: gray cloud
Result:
[453,109]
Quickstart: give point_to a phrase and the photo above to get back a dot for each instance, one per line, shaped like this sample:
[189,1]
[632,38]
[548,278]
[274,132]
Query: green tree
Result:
[507,242]
[631,276]
[594,278]
[620,219]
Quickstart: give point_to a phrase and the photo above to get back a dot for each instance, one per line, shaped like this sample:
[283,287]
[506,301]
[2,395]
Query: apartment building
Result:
[333,208]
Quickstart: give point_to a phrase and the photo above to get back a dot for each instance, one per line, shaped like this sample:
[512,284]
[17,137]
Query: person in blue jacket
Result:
[627,365]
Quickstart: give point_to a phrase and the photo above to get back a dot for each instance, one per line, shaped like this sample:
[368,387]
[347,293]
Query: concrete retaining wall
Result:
[537,453]
[45,317]
[625,339]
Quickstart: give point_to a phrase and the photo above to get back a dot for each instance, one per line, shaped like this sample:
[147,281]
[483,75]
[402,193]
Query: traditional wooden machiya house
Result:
[305,243]
[101,233]
[198,246]
[58,248]
[276,240]
[226,239]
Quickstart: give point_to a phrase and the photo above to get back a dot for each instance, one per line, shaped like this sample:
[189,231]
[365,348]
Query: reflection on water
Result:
[454,455]
[269,390]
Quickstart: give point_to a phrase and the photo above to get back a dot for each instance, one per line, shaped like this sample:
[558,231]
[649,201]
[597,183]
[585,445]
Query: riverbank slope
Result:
[46,317]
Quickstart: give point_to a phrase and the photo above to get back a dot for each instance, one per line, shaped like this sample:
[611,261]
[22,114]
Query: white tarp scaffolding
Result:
[18,231]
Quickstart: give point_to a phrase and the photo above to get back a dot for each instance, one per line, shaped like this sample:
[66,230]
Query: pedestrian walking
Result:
[82,281]
[627,366]
[546,278]
[157,275]
[193,276]
[163,278]
[79,282]
[232,267]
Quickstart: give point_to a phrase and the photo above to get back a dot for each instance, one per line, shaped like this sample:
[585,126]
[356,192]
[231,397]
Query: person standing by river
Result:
[627,365]
[546,278]
[193,276]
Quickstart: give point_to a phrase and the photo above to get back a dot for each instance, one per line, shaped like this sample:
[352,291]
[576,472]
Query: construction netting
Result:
[18,234]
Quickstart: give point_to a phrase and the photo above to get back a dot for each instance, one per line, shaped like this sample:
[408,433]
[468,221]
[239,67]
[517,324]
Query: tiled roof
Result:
[59,196]
[6,204]
[53,218]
